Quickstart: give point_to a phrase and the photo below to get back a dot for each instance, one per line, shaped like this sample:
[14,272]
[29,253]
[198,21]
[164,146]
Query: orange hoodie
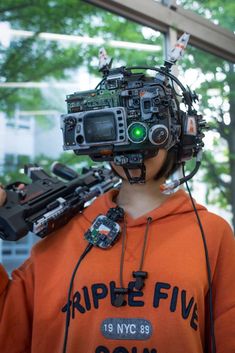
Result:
[169,315]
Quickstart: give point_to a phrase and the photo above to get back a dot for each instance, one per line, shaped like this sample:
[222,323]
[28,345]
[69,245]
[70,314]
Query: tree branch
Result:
[215,175]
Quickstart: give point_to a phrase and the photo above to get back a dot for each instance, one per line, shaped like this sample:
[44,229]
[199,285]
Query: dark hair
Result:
[170,165]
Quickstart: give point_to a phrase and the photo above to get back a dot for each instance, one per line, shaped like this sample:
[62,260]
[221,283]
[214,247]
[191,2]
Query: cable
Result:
[169,187]
[100,83]
[141,275]
[121,291]
[162,71]
[172,84]
[212,331]
[85,252]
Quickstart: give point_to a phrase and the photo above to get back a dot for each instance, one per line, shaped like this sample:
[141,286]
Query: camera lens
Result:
[137,132]
[80,139]
[158,134]
[136,101]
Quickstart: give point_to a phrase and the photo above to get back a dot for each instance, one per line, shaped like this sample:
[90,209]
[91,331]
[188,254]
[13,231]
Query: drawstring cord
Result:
[139,275]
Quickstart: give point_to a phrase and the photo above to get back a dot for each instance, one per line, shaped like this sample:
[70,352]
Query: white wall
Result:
[16,136]
[49,142]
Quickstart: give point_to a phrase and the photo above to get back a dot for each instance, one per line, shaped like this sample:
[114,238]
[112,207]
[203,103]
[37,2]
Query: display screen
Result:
[99,127]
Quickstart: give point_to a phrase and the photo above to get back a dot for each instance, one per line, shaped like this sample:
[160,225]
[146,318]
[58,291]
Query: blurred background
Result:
[49,49]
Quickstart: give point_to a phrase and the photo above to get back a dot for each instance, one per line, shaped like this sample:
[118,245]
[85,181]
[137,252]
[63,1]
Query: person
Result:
[167,284]
[168,313]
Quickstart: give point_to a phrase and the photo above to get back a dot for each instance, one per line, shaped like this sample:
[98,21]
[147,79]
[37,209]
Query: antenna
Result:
[177,51]
[105,62]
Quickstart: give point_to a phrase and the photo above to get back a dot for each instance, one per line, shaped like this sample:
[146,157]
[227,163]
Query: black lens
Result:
[99,127]
[158,134]
[147,104]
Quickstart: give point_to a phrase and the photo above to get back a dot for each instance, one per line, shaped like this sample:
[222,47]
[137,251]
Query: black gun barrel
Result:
[63,171]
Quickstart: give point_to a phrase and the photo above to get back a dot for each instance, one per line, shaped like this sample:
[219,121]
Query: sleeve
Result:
[16,309]
[223,286]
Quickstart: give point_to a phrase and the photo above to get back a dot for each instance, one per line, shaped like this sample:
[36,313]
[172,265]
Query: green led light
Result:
[137,132]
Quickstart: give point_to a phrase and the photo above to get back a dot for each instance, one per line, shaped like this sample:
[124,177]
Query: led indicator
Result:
[137,132]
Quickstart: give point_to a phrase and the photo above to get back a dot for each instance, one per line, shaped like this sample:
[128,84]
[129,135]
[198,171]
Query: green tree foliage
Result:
[14,169]
[34,59]
[220,12]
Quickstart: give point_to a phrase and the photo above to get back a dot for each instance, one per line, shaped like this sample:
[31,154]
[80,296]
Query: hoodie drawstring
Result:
[139,275]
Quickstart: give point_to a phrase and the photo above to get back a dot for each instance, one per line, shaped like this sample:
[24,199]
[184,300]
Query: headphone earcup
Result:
[190,137]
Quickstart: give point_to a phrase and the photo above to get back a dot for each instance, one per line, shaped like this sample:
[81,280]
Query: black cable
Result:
[100,83]
[172,84]
[190,175]
[162,71]
[85,252]
[122,255]
[212,331]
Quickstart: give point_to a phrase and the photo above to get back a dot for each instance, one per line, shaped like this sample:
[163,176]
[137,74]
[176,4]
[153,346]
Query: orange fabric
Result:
[172,307]
[4,279]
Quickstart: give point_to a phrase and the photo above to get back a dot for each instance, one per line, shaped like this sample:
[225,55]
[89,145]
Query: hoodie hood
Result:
[177,203]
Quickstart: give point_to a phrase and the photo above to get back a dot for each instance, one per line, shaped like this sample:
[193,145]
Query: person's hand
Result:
[2,195]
